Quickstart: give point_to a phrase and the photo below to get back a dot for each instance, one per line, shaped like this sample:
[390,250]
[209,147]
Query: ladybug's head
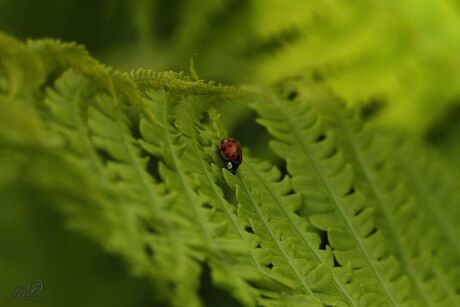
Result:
[232,166]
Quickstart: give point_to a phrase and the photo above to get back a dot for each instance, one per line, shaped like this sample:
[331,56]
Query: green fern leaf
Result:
[383,185]
[287,245]
[360,219]
[327,180]
[22,72]
[181,83]
[132,212]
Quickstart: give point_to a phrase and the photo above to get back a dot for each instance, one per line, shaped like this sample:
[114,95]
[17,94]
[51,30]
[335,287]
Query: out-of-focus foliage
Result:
[130,160]
[403,55]
[341,214]
[395,59]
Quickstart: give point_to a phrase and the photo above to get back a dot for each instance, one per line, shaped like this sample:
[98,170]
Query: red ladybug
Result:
[230,150]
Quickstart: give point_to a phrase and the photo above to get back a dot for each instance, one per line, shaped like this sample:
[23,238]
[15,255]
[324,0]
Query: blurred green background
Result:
[396,60]
[401,54]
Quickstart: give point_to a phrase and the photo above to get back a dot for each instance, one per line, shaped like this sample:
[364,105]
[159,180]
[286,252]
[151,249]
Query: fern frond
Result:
[112,131]
[201,136]
[270,196]
[401,211]
[58,56]
[361,219]
[259,252]
[21,71]
[215,234]
[95,129]
[432,188]
[322,173]
[182,84]
[432,179]
[398,212]
[66,105]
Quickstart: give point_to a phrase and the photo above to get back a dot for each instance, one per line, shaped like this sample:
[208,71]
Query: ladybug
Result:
[230,150]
